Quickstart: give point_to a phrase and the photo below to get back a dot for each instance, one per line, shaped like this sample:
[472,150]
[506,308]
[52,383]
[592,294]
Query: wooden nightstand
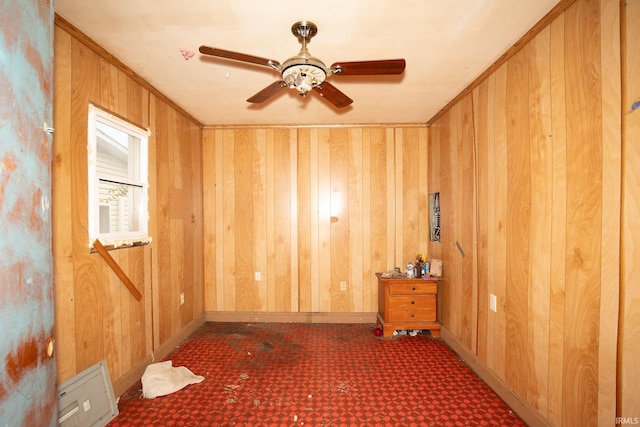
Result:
[407,304]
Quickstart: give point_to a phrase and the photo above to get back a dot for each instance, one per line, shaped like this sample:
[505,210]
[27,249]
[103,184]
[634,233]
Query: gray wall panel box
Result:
[87,399]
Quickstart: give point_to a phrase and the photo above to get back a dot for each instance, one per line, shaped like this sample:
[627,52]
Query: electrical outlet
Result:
[343,286]
[258,276]
[182,298]
[493,302]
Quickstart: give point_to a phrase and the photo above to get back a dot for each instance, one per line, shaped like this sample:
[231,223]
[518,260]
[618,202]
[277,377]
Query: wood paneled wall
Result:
[528,165]
[309,208]
[96,317]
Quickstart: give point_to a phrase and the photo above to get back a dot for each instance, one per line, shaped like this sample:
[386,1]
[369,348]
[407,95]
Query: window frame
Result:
[116,239]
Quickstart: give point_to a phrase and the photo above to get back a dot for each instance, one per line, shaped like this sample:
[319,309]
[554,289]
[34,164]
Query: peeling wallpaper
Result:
[27,372]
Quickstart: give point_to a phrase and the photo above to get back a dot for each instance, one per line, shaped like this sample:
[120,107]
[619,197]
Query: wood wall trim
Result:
[523,41]
[520,406]
[318,126]
[103,53]
[273,317]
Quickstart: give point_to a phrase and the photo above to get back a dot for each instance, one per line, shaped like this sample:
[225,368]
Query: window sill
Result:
[122,244]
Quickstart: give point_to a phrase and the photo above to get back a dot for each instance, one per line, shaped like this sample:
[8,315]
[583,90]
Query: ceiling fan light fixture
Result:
[303,74]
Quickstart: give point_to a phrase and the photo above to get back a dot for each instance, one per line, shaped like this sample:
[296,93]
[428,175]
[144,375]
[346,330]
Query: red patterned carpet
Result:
[290,374]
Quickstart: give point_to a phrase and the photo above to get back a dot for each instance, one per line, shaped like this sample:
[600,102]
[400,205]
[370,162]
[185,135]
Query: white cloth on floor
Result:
[160,379]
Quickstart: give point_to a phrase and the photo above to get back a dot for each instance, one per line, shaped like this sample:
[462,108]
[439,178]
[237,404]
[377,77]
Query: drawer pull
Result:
[413,315]
[413,302]
[413,289]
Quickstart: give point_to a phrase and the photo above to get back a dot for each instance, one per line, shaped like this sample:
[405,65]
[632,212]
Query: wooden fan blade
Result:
[369,68]
[267,92]
[333,95]
[242,57]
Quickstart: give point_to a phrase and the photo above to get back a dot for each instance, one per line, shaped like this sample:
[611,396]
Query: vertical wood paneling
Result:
[124,317]
[611,198]
[500,176]
[209,228]
[220,225]
[629,371]
[109,77]
[85,80]
[293,224]
[177,277]
[354,208]
[339,217]
[466,219]
[61,211]
[304,220]
[540,220]
[228,221]
[396,221]
[259,201]
[409,183]
[112,320]
[282,238]
[195,191]
[434,172]
[453,257]
[314,232]
[369,285]
[243,217]
[518,221]
[456,184]
[480,99]
[163,236]
[324,259]
[318,209]
[137,332]
[584,211]
[445,187]
[423,188]
[379,203]
[270,220]
[392,209]
[558,221]
[153,314]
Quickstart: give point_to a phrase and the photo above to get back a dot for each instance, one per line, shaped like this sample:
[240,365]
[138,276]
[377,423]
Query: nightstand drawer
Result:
[410,315]
[413,288]
[411,302]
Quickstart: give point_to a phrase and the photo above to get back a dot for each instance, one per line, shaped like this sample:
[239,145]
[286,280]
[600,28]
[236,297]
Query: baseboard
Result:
[521,407]
[264,317]
[131,377]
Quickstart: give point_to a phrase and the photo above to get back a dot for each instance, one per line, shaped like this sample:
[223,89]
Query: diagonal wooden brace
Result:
[116,269]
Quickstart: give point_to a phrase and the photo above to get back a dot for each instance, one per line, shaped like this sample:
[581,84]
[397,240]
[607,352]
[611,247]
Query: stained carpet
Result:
[290,374]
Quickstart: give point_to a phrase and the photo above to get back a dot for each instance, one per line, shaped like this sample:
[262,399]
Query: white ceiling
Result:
[446,44]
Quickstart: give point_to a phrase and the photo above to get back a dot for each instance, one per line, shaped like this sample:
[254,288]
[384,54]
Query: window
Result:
[118,180]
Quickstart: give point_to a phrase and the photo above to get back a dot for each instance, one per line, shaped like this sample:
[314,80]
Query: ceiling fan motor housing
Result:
[303,72]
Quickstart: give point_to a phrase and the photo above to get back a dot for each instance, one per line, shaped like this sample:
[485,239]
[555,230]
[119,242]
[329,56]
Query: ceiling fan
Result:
[305,73]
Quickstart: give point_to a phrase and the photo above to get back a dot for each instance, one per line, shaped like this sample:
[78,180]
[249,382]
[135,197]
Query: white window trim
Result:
[115,239]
